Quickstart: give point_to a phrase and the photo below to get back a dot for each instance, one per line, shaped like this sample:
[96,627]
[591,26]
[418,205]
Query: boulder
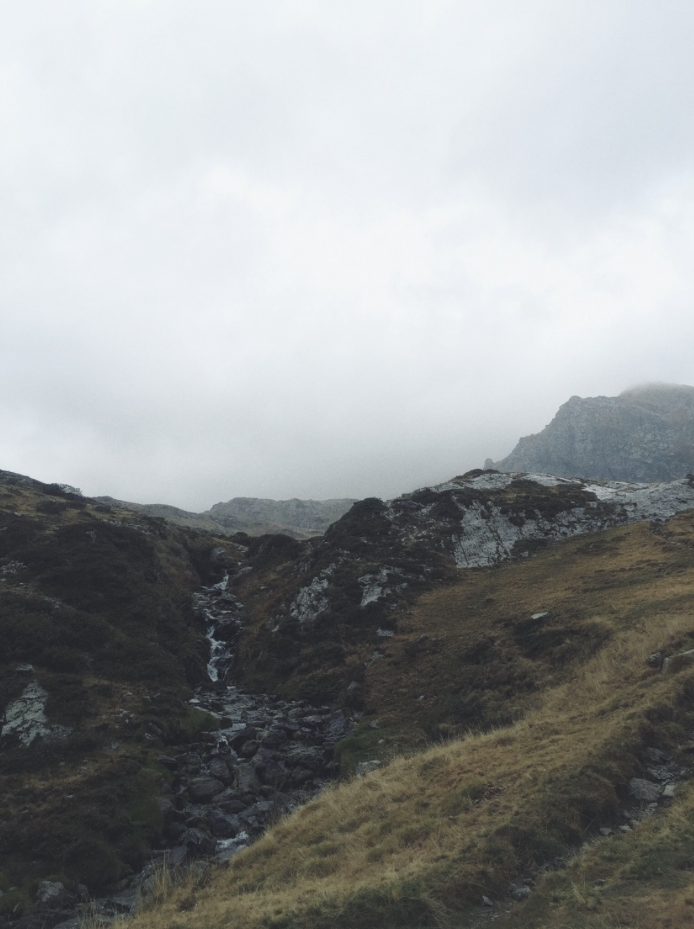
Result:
[233,805]
[204,789]
[238,739]
[197,842]
[219,769]
[309,758]
[274,739]
[249,748]
[223,825]
[338,727]
[247,782]
[176,856]
[51,894]
[273,773]
[299,776]
[645,790]
[655,754]
[678,662]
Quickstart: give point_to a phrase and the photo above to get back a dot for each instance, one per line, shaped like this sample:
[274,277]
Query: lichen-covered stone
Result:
[26,718]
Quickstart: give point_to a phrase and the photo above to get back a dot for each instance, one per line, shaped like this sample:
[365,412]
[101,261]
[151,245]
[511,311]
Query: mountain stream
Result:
[268,757]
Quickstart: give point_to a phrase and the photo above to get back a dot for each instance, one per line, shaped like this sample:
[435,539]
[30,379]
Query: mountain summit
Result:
[645,434]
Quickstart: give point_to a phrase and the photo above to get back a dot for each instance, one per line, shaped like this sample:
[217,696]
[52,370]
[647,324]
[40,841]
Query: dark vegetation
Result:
[95,607]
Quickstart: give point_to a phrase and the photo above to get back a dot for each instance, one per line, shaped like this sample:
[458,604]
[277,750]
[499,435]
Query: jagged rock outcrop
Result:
[645,434]
[300,519]
[26,719]
[351,587]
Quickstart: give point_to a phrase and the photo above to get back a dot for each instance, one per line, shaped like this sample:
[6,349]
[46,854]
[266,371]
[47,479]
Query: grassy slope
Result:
[418,842]
[99,602]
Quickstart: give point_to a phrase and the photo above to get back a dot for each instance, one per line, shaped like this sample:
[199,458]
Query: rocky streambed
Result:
[225,787]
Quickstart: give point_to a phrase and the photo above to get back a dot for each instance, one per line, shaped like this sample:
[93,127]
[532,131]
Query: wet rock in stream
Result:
[235,782]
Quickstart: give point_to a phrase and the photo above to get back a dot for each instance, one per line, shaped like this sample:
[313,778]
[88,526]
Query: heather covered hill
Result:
[644,434]
[98,644]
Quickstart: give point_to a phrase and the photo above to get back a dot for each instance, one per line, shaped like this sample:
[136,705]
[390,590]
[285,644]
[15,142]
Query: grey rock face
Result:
[645,435]
[26,718]
[310,602]
[299,519]
[489,536]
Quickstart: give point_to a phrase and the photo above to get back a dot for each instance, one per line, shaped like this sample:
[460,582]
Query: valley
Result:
[468,696]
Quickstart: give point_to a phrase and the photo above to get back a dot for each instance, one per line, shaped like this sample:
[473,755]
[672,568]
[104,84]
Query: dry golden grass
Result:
[419,841]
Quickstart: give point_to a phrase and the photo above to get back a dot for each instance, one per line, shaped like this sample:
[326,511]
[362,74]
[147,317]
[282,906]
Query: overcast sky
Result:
[326,248]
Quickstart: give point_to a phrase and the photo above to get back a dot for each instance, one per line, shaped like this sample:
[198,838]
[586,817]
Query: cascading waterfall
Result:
[217,648]
[215,606]
[268,757]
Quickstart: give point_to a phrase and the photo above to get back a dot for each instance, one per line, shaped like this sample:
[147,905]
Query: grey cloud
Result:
[331,249]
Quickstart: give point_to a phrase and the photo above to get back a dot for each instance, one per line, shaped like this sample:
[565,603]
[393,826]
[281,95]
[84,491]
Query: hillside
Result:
[318,611]
[497,642]
[299,519]
[644,434]
[99,650]
[552,783]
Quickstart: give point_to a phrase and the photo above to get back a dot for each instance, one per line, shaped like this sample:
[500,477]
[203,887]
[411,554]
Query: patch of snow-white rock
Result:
[311,601]
[488,536]
[375,586]
[26,717]
[486,525]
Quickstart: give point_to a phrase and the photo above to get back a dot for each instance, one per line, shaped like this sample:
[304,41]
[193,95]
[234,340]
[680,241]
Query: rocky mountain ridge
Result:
[254,516]
[645,434]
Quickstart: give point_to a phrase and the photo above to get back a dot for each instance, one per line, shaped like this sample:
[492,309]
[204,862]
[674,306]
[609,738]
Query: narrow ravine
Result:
[269,757]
